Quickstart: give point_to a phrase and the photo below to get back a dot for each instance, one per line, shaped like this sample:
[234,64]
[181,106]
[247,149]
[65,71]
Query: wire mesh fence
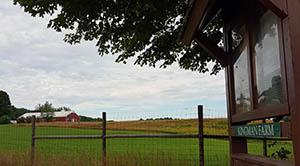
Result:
[153,151]
[216,151]
[16,141]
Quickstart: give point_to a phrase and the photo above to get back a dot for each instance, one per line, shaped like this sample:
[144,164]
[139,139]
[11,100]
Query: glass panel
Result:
[267,58]
[241,81]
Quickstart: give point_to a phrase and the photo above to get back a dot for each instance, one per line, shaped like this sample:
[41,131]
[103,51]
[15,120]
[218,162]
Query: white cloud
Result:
[36,65]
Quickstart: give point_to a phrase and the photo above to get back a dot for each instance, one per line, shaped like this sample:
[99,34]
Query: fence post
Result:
[32,158]
[200,135]
[103,138]
[265,148]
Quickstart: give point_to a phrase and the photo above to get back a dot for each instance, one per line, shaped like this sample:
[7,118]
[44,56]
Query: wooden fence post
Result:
[200,135]
[32,158]
[103,138]
[265,148]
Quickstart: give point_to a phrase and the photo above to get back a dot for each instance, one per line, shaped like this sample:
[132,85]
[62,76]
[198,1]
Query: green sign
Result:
[257,130]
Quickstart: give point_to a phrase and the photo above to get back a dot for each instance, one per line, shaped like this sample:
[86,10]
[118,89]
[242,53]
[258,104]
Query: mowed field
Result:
[16,139]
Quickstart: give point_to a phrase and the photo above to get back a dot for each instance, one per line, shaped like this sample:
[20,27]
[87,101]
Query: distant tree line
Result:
[89,119]
[9,112]
[165,118]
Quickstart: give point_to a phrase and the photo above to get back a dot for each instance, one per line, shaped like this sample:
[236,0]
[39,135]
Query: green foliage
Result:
[7,110]
[165,118]
[63,109]
[147,29]
[46,107]
[4,99]
[282,153]
[5,119]
[16,112]
[89,119]
[5,104]
[47,110]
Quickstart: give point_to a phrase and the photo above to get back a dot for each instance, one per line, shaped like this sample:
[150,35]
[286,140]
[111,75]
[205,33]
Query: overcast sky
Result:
[37,66]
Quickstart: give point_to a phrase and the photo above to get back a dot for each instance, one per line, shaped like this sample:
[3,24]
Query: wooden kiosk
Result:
[260,50]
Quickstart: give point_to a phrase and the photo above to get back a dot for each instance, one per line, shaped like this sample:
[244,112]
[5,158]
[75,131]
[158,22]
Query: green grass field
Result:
[15,144]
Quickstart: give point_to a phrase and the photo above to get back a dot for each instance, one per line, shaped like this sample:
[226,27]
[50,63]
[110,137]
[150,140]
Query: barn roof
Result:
[62,113]
[27,115]
[39,114]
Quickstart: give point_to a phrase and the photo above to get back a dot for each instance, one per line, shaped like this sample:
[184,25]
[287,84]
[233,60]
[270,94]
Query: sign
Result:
[257,130]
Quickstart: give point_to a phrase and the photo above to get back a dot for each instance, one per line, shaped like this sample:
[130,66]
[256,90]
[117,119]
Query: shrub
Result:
[5,119]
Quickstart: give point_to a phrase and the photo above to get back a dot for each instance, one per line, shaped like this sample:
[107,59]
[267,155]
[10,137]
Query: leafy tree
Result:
[47,110]
[4,99]
[17,112]
[46,107]
[5,119]
[63,109]
[5,104]
[145,29]
[7,110]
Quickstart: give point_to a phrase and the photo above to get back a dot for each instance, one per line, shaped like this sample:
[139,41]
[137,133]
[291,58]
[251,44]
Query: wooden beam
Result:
[193,18]
[279,7]
[292,40]
[261,113]
[215,51]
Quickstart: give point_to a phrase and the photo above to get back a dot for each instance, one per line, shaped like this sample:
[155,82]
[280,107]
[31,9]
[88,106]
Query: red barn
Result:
[66,116]
[62,116]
